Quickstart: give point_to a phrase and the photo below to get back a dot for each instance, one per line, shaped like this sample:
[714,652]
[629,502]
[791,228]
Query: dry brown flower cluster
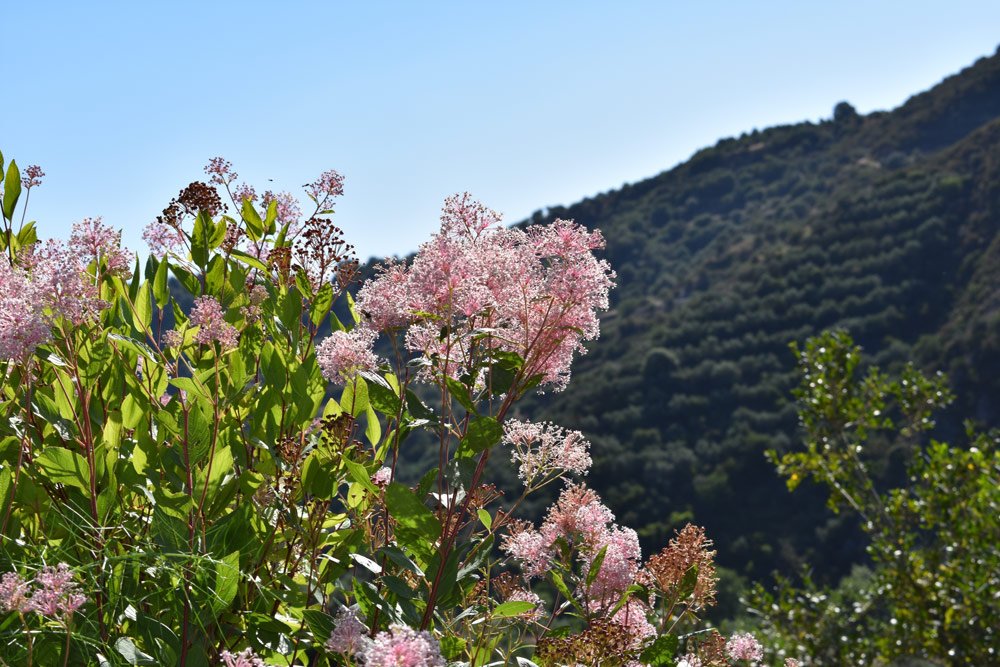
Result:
[690,548]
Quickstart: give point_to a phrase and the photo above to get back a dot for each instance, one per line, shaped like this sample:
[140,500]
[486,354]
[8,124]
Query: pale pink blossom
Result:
[329,184]
[220,171]
[743,646]
[245,658]
[349,635]
[384,300]
[690,660]
[93,241]
[792,662]
[163,239]
[287,207]
[345,353]
[23,324]
[13,592]
[56,594]
[382,477]
[632,617]
[207,315]
[404,647]
[244,192]
[542,450]
[533,292]
[579,519]
[32,176]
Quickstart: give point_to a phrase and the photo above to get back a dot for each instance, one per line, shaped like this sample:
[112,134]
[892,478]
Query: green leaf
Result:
[249,260]
[291,309]
[143,308]
[201,238]
[512,608]
[460,393]
[11,190]
[321,304]
[661,652]
[595,566]
[417,529]
[483,433]
[354,400]
[373,429]
[561,586]
[255,226]
[227,582]
[319,623]
[487,520]
[359,474]
[688,583]
[133,656]
[160,290]
[65,467]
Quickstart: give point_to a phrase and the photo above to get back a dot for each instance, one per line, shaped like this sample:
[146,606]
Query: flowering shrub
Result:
[218,485]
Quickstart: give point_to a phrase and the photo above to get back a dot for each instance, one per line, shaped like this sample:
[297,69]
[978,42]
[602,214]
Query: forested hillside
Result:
[885,225]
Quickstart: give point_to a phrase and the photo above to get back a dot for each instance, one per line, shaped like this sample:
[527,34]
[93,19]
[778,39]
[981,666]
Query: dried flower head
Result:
[604,642]
[667,569]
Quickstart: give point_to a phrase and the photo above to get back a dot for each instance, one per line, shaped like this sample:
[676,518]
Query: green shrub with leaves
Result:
[930,591]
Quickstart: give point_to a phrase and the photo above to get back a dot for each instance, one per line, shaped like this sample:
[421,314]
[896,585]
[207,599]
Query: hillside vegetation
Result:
[884,225]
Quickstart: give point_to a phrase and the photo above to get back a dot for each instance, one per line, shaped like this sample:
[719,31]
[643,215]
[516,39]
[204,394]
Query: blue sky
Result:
[524,104]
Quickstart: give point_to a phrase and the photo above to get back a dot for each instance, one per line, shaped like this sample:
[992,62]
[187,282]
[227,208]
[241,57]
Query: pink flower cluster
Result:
[743,646]
[382,477]
[32,176]
[93,241]
[329,184]
[536,291]
[343,354]
[245,658]
[207,315]
[579,519]
[349,635]
[52,593]
[403,647]
[544,450]
[163,239]
[49,282]
[288,209]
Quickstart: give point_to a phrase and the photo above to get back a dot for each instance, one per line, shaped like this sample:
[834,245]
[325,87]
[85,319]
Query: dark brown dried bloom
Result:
[483,495]
[197,196]
[690,548]
[279,260]
[604,643]
[321,251]
[337,431]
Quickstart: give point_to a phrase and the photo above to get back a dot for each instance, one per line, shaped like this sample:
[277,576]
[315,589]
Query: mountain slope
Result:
[885,225]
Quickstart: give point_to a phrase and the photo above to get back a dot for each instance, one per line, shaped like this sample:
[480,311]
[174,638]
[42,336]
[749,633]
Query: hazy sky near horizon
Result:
[523,104]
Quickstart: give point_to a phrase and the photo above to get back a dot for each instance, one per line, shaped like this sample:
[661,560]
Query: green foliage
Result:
[935,567]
